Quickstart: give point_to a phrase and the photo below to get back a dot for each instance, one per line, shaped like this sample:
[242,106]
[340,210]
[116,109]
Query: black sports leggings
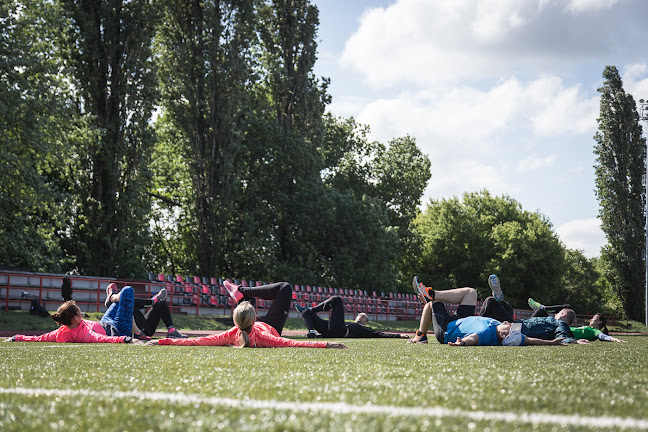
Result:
[335,327]
[148,323]
[499,310]
[281,295]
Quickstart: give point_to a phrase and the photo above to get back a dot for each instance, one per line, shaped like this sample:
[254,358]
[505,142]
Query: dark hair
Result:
[603,320]
[66,312]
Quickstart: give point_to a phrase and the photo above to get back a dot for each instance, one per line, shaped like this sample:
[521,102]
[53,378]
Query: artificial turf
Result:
[384,384]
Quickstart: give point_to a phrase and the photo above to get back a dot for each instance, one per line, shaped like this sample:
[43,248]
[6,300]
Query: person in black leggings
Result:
[280,293]
[336,327]
[157,310]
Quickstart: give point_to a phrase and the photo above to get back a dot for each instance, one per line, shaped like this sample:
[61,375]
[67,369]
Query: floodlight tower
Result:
[643,113]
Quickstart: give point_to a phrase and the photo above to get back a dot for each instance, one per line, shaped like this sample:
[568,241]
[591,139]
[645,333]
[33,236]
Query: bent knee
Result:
[470,297]
[335,300]
[285,286]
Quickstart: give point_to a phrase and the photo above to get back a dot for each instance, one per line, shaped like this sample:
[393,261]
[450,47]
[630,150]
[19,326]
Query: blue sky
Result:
[500,94]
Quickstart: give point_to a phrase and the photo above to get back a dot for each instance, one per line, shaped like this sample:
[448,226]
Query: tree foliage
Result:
[205,67]
[110,64]
[466,240]
[242,172]
[620,165]
[34,119]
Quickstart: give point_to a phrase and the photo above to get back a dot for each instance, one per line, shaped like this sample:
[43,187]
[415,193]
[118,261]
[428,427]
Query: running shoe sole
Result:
[421,291]
[494,284]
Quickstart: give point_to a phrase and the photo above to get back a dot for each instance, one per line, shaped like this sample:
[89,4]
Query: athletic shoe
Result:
[161,295]
[142,337]
[424,294]
[110,290]
[535,305]
[175,334]
[494,284]
[418,338]
[312,334]
[233,290]
[301,309]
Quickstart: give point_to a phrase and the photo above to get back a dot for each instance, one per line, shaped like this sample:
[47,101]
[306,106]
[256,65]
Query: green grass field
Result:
[374,385]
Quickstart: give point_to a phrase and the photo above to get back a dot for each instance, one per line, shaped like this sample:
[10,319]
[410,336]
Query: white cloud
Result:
[581,6]
[430,41]
[534,163]
[635,80]
[585,235]
[454,177]
[455,120]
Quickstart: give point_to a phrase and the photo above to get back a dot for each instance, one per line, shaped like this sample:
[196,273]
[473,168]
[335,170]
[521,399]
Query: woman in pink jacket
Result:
[248,332]
[73,328]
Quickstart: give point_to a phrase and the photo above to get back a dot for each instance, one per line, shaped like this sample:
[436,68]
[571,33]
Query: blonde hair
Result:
[244,317]
[66,312]
[361,316]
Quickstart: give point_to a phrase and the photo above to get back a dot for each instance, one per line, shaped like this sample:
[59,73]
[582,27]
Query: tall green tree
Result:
[620,164]
[582,287]
[395,175]
[466,240]
[291,109]
[110,61]
[34,122]
[206,65]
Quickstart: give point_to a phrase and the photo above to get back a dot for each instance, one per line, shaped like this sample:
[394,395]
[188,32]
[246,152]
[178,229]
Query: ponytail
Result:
[244,339]
[244,317]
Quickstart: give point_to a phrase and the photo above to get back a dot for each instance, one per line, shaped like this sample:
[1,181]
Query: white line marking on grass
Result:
[342,408]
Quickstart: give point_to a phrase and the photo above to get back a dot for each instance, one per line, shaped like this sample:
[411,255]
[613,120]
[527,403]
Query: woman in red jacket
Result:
[248,332]
[73,328]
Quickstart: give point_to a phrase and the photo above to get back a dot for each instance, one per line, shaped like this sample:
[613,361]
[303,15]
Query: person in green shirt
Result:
[595,330]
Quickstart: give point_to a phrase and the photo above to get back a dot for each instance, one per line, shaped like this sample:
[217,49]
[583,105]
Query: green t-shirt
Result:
[585,332]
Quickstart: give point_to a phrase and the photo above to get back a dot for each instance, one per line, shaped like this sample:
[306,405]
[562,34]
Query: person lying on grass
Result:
[73,328]
[143,326]
[336,327]
[463,328]
[540,326]
[247,332]
[595,330]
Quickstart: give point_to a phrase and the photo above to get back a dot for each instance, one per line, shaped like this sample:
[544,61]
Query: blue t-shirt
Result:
[485,327]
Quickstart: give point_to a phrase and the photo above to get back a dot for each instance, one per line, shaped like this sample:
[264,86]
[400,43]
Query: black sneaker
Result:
[312,334]
[175,334]
[301,309]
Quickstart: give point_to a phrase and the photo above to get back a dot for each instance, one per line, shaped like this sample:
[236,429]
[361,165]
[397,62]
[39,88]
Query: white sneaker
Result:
[494,284]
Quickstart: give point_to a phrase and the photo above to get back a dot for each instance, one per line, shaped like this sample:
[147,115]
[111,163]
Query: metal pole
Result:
[644,116]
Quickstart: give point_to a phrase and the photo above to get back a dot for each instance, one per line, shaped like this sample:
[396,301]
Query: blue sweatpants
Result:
[120,315]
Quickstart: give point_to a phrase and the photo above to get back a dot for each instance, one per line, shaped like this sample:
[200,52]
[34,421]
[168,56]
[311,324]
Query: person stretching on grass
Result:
[542,327]
[250,330]
[73,328]
[142,326]
[595,330]
[463,328]
[336,327]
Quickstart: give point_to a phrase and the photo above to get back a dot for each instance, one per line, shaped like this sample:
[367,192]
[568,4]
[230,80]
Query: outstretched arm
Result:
[535,341]
[472,339]
[602,336]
